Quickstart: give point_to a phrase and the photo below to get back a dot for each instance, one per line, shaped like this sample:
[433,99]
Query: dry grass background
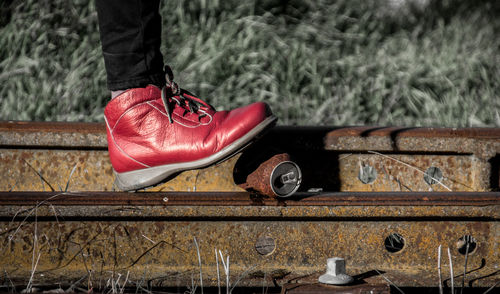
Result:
[317,62]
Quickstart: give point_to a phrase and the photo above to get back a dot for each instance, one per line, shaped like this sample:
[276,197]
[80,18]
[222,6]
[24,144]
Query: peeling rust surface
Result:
[397,172]
[52,134]
[44,170]
[90,170]
[329,157]
[39,170]
[366,131]
[456,199]
[95,235]
[484,143]
[302,288]
[335,138]
[164,252]
[172,205]
[155,242]
[304,213]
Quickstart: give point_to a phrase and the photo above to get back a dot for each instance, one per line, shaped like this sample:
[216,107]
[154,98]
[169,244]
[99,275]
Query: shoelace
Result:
[193,105]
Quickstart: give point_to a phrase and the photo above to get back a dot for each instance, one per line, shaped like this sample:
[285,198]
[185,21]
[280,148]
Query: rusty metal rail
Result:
[249,199]
[378,206]
[333,159]
[150,235]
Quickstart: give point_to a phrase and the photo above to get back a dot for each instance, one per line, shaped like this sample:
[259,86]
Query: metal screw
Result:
[432,174]
[367,174]
[265,245]
[335,272]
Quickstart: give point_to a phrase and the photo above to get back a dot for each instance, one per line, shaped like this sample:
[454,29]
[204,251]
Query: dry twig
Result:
[410,166]
[34,264]
[390,282]
[467,241]
[451,272]
[225,265]
[439,271]
[199,262]
[492,287]
[41,177]
[69,178]
[218,272]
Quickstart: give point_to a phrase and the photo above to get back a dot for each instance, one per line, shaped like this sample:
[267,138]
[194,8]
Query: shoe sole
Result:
[143,178]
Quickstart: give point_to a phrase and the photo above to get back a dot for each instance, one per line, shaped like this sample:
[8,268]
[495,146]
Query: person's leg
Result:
[131,37]
[155,129]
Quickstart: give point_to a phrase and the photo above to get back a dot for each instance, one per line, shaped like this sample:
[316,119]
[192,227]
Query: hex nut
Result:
[335,272]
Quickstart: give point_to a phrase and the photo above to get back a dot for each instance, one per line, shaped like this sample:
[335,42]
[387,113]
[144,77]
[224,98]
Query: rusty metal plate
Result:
[53,134]
[479,141]
[91,170]
[210,206]
[404,172]
[483,142]
[298,288]
[164,253]
[96,236]
[457,200]
[118,234]
[47,170]
[467,158]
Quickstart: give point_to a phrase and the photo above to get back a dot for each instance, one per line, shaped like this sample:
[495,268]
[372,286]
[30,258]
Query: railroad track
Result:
[382,198]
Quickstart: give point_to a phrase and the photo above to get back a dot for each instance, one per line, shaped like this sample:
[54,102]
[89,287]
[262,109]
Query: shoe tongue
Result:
[118,105]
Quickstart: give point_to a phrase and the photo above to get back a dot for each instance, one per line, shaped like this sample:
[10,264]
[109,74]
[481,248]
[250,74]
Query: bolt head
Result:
[335,272]
[335,266]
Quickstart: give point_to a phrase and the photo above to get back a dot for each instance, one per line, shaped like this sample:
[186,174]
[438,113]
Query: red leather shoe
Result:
[154,133]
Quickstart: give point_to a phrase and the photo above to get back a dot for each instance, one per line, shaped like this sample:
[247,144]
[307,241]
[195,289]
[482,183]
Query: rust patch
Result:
[53,149]
[301,249]
[398,172]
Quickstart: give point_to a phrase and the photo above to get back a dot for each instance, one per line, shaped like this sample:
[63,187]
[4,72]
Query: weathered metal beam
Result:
[42,156]
[484,142]
[165,250]
[53,134]
[151,235]
[96,235]
[297,288]
[165,199]
[170,206]
[90,170]
[63,134]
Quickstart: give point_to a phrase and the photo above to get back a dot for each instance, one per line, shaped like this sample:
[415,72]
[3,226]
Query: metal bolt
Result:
[433,175]
[367,174]
[335,272]
[265,245]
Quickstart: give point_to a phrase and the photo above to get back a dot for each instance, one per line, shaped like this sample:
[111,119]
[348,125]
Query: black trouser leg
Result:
[131,37]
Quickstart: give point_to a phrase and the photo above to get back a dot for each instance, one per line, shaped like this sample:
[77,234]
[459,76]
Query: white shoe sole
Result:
[143,178]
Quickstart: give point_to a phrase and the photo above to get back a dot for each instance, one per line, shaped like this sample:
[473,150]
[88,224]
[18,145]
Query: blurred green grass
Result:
[344,62]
